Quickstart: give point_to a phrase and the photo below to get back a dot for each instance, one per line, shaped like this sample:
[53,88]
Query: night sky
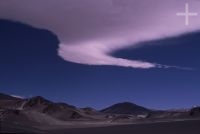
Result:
[38,61]
[29,69]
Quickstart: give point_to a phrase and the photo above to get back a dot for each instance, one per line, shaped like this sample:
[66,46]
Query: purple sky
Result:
[89,30]
[95,33]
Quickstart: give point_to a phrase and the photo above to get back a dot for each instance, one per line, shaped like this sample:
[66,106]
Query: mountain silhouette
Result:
[126,108]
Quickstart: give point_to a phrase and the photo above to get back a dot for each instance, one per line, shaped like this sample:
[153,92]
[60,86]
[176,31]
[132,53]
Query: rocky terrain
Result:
[39,115]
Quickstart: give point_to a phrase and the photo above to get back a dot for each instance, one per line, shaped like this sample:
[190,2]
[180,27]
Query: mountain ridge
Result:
[40,104]
[126,108]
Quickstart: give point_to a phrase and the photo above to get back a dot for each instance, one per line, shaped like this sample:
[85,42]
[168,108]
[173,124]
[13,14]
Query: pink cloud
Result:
[89,30]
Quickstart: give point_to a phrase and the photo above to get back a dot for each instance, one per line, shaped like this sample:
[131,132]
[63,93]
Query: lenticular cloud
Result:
[89,30]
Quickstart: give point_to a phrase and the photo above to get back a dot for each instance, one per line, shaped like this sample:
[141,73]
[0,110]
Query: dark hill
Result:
[126,108]
[7,97]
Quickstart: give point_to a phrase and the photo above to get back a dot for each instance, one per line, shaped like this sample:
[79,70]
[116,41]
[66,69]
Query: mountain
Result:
[195,111]
[7,97]
[7,101]
[126,108]
[32,114]
[40,106]
[37,103]
[63,111]
[89,111]
[60,111]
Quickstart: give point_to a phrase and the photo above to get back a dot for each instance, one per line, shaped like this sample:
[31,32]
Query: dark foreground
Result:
[178,127]
[183,127]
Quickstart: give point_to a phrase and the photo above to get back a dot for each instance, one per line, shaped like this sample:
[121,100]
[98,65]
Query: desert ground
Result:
[179,127]
[175,127]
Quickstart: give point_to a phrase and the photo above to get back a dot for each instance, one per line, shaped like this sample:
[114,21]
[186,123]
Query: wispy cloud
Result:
[174,67]
[89,30]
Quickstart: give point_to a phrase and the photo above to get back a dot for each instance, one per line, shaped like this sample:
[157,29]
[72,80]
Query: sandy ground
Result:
[178,127]
[19,124]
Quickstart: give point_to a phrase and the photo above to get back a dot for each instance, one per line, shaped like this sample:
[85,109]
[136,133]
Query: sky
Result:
[97,53]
